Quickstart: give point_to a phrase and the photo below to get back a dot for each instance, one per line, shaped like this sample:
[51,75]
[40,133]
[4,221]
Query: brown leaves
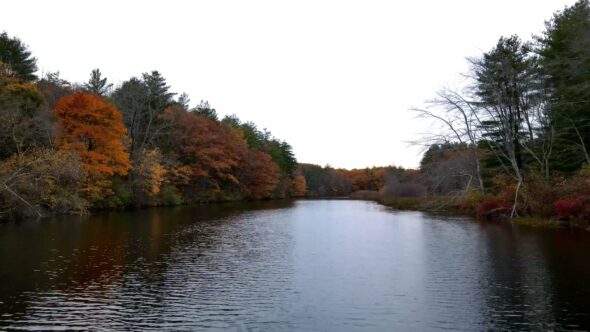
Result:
[38,180]
[212,153]
[298,185]
[260,175]
[19,120]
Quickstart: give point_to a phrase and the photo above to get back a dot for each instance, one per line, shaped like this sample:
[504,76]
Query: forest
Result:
[77,147]
[513,141]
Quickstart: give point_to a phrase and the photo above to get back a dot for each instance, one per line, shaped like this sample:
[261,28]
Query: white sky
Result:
[335,79]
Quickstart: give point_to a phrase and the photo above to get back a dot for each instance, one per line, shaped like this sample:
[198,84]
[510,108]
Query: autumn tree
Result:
[367,178]
[20,123]
[210,151]
[179,154]
[298,186]
[280,151]
[260,175]
[94,130]
[148,176]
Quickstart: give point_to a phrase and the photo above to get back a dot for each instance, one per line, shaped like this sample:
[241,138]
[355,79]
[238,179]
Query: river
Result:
[307,265]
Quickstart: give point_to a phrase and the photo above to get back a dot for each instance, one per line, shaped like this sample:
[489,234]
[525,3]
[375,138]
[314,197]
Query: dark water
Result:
[303,265]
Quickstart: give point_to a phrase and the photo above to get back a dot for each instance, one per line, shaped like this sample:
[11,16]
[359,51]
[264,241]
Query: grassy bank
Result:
[427,203]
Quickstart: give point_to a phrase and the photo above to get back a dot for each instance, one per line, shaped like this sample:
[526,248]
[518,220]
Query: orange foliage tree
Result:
[94,130]
[299,185]
[367,178]
[260,175]
[212,153]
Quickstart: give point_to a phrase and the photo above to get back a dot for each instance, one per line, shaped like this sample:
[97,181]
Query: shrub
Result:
[565,208]
[471,200]
[365,194]
[584,208]
[573,209]
[121,196]
[404,189]
[493,209]
[39,181]
[170,195]
[541,193]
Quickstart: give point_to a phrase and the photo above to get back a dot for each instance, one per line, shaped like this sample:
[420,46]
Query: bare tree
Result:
[458,117]
[504,107]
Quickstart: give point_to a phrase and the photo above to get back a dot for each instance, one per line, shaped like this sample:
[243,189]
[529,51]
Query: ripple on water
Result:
[308,265]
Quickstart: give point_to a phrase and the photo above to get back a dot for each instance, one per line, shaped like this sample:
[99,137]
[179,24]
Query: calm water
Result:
[306,265]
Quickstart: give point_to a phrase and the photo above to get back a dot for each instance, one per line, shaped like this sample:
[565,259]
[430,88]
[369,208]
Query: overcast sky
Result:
[335,79]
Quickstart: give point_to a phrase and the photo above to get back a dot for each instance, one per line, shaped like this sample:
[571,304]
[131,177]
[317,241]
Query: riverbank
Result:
[443,205]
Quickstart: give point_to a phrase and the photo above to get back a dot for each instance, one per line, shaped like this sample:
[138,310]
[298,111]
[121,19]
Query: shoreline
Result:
[421,204]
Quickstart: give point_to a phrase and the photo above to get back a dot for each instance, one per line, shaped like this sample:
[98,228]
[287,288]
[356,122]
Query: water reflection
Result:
[304,265]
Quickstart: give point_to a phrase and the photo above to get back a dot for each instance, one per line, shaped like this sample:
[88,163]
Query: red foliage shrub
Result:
[573,209]
[584,208]
[565,208]
[492,208]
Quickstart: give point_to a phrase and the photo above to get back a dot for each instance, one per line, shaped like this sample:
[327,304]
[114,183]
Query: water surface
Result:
[325,265]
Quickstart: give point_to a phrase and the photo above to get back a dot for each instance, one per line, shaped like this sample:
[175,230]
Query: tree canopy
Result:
[17,58]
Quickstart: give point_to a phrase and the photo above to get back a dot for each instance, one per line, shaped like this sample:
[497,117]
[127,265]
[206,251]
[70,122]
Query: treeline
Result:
[516,140]
[73,147]
[370,182]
